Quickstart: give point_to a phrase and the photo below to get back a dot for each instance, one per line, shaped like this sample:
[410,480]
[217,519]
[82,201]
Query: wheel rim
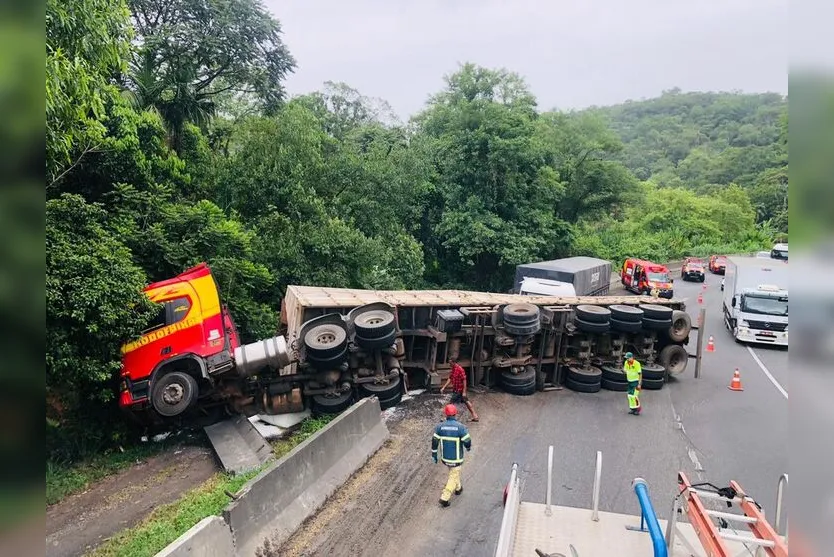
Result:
[326,337]
[173,394]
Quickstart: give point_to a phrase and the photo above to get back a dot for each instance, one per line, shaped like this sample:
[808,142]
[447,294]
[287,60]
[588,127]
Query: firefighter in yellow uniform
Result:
[634,375]
[450,438]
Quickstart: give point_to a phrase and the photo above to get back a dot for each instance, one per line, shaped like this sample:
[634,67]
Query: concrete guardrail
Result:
[272,505]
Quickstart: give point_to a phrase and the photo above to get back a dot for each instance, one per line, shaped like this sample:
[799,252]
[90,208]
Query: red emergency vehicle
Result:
[717,264]
[645,277]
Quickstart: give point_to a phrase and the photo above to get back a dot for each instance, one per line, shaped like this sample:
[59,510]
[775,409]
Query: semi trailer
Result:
[335,345]
[585,276]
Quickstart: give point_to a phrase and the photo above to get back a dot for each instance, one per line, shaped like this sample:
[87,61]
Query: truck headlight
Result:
[743,323]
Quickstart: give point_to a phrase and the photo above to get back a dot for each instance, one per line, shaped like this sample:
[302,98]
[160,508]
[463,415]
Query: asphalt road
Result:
[693,425]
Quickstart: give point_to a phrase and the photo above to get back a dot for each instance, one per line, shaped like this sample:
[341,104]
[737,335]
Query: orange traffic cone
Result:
[700,298]
[735,384]
[711,344]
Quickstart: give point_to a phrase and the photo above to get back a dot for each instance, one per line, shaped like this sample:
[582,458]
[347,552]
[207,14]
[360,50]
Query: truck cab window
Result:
[178,309]
[158,319]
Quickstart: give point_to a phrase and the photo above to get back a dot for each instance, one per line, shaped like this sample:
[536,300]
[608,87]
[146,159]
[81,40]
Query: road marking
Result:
[767,372]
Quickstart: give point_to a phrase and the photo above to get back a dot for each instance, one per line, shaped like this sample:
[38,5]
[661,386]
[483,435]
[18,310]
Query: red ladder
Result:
[712,539]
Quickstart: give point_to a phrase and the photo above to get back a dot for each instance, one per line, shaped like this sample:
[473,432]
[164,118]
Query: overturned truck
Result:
[336,345]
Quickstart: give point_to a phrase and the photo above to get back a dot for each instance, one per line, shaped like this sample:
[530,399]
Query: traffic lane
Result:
[577,425]
[733,435]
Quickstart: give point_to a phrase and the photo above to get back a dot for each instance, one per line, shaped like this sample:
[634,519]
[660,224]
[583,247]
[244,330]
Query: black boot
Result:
[444,503]
[459,491]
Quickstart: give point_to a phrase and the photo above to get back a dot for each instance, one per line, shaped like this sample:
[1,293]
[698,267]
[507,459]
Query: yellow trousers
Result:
[452,484]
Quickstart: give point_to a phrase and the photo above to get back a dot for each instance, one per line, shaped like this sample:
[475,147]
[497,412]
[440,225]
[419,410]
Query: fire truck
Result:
[336,345]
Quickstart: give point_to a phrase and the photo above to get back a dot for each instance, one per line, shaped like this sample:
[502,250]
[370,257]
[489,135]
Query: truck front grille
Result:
[768,326]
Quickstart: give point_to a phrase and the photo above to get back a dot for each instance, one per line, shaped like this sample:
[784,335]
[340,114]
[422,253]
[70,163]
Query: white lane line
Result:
[767,372]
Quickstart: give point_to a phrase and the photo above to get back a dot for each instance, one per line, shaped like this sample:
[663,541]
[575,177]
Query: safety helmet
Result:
[450,410]
[629,355]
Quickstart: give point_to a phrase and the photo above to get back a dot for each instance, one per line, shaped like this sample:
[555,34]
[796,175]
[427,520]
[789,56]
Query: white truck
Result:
[756,300]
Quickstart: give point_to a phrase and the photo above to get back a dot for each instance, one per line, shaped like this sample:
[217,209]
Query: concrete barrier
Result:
[211,537]
[278,500]
[272,505]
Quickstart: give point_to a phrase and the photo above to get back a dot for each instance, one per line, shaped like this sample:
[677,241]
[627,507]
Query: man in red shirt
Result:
[459,388]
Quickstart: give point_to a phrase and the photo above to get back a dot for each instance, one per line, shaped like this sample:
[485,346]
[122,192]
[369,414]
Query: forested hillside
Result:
[162,153]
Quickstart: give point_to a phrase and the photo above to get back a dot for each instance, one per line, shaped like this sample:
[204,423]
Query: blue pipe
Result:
[650,518]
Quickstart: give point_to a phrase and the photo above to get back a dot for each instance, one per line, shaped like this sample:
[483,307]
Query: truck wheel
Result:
[590,327]
[593,314]
[653,372]
[375,323]
[656,311]
[613,373]
[652,324]
[681,326]
[626,326]
[619,386]
[376,343]
[382,391]
[332,404]
[526,377]
[520,314]
[325,341]
[583,387]
[674,358]
[174,393]
[522,330]
[589,375]
[390,402]
[653,384]
[629,314]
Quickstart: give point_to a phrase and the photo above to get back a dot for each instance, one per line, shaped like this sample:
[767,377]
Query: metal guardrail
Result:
[506,537]
[597,478]
[649,518]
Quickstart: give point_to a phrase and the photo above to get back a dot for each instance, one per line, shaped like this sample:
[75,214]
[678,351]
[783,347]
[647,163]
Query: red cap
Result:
[450,410]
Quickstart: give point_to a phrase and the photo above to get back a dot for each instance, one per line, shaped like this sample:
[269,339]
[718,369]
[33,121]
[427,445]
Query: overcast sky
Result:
[573,54]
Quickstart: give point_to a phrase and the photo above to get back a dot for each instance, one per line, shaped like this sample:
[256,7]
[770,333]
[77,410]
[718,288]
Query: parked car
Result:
[717,264]
[693,268]
[779,251]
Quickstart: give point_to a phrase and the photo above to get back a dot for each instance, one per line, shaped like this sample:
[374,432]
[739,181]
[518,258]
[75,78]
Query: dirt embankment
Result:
[83,521]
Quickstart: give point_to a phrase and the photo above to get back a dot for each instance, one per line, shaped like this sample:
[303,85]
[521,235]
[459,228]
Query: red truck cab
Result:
[645,277]
[193,336]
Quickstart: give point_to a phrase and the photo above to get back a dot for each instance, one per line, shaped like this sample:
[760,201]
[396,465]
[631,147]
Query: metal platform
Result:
[613,534]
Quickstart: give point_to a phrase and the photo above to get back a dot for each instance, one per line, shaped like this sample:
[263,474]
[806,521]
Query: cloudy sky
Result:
[573,54]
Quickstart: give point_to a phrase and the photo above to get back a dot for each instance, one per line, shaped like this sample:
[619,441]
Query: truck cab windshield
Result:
[658,277]
[764,305]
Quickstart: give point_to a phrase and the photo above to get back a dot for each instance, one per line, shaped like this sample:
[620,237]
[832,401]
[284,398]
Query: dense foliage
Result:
[170,141]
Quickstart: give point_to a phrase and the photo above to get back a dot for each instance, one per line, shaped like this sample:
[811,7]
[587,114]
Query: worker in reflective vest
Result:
[450,438]
[634,375]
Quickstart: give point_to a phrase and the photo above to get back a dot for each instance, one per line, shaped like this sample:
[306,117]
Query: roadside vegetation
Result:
[161,154]
[166,523]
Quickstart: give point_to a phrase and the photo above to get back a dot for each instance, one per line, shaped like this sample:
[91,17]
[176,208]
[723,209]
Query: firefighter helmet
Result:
[450,410]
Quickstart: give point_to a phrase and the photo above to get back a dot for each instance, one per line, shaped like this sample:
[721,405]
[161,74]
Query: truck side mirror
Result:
[733,302]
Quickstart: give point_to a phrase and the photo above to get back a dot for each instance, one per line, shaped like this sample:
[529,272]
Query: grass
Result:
[64,479]
[168,522]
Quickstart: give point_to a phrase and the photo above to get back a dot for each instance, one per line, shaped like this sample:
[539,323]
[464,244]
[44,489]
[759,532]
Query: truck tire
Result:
[382,391]
[520,314]
[375,323]
[613,373]
[628,314]
[593,314]
[522,330]
[521,390]
[526,377]
[390,402]
[652,384]
[652,324]
[653,372]
[588,374]
[681,326]
[674,358]
[324,404]
[583,387]
[325,342]
[626,326]
[174,393]
[378,342]
[656,311]
[590,327]
[609,385]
